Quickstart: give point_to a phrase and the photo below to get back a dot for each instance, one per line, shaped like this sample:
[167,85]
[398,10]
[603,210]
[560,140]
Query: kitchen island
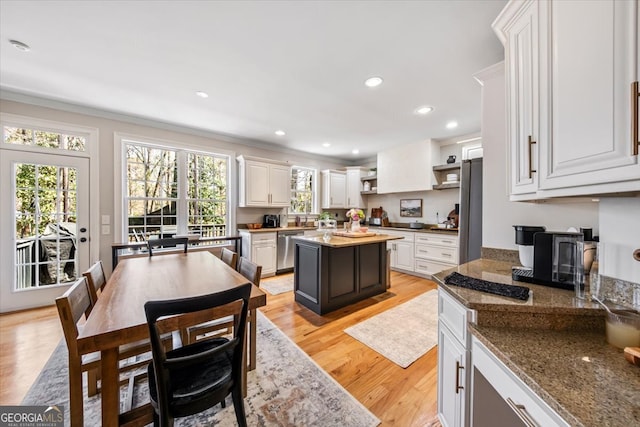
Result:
[332,273]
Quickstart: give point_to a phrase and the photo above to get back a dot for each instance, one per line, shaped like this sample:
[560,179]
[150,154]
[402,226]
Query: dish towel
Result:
[511,291]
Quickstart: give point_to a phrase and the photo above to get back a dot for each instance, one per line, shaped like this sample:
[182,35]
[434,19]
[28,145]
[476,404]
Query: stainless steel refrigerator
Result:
[470,220]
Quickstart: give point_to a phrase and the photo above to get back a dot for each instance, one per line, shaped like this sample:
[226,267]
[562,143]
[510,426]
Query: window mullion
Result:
[182,208]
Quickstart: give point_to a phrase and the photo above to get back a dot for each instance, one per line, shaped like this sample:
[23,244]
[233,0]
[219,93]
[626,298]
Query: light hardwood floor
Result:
[399,397]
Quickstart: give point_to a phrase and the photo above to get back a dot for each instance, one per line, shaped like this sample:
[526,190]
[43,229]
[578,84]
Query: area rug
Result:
[404,333]
[278,285]
[286,389]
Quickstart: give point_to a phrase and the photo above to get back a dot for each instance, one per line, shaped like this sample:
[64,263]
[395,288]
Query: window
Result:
[43,138]
[173,191]
[303,190]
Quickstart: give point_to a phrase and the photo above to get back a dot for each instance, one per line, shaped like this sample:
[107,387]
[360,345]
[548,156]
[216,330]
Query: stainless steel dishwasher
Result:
[285,249]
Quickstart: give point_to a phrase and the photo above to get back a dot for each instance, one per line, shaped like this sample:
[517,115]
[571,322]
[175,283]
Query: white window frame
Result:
[314,190]
[120,181]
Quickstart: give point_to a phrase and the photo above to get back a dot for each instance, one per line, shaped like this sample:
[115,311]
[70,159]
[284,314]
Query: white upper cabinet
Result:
[407,168]
[589,66]
[581,58]
[264,183]
[334,189]
[518,30]
[354,187]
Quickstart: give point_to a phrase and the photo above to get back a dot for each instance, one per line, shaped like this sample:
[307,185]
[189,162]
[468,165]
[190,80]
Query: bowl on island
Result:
[363,229]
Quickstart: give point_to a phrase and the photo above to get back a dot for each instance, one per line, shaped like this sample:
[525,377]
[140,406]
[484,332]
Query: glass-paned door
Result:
[47,239]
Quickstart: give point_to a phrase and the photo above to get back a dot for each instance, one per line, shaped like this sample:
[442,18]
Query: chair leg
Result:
[238,406]
[76,404]
[92,382]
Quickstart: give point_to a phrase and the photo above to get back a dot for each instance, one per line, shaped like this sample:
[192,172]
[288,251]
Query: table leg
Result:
[110,387]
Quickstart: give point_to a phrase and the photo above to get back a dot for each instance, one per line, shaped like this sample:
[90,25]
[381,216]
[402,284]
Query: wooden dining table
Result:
[118,317]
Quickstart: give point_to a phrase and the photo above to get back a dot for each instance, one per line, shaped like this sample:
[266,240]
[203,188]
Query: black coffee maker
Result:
[271,221]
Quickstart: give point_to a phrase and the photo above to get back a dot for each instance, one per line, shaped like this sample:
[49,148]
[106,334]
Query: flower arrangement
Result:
[355,214]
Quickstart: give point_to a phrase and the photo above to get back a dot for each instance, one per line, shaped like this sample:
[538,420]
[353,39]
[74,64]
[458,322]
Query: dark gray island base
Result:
[333,274]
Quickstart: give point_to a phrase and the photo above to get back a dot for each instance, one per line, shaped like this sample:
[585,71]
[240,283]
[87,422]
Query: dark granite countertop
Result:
[556,345]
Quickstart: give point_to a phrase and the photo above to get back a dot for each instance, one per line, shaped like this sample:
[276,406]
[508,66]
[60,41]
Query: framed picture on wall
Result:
[411,207]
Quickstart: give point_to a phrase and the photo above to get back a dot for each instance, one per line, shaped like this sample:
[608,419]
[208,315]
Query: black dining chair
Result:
[197,376]
[169,242]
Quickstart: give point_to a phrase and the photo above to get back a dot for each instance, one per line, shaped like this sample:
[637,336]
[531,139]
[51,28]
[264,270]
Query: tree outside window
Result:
[159,205]
[303,184]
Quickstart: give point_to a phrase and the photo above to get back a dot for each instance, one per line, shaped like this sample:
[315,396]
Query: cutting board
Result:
[632,354]
[352,234]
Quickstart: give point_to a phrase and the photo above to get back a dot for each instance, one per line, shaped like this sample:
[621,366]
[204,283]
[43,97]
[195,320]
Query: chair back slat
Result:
[168,242]
[250,270]
[72,305]
[96,281]
[229,257]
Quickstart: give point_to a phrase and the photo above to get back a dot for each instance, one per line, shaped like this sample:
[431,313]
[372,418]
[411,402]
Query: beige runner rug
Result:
[278,285]
[404,333]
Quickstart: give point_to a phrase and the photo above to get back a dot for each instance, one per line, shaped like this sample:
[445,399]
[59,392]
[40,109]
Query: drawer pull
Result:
[635,94]
[531,169]
[446,254]
[521,412]
[458,367]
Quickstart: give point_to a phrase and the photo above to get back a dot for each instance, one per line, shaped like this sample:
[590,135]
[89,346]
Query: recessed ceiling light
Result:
[20,46]
[326,144]
[424,110]
[355,151]
[373,82]
[280,132]
[452,125]
[202,94]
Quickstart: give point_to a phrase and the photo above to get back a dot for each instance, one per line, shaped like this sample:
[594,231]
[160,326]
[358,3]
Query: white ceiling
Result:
[266,65]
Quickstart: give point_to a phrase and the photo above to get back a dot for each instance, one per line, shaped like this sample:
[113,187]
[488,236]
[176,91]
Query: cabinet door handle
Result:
[521,412]
[634,118]
[531,169]
[458,367]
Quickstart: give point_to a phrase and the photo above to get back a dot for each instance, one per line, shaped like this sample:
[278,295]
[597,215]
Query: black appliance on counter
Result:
[271,221]
[555,262]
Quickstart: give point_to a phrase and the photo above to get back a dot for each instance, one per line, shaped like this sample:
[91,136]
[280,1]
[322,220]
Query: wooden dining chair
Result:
[253,272]
[169,242]
[222,327]
[250,270]
[96,282]
[72,306]
[229,257]
[197,376]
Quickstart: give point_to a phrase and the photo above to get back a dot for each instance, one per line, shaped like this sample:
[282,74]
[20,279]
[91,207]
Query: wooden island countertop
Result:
[341,242]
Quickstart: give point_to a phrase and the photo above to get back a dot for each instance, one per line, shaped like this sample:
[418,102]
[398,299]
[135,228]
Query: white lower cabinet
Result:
[262,249]
[453,361]
[501,399]
[435,252]
[474,387]
[402,251]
